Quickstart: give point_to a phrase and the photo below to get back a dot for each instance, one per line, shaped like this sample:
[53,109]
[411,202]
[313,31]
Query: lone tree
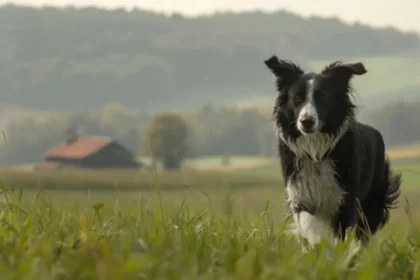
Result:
[166,140]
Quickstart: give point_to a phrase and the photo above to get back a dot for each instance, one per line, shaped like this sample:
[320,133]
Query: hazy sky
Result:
[400,13]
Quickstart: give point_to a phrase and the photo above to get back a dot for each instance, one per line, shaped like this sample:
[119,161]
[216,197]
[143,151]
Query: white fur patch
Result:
[309,109]
[312,228]
[315,186]
[315,145]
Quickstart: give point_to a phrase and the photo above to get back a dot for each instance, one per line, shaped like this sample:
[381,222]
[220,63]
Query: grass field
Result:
[182,235]
[196,224]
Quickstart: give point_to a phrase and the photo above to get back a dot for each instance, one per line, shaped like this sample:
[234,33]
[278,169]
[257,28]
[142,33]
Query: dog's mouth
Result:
[307,131]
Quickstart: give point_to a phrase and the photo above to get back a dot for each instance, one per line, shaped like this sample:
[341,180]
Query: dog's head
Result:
[312,102]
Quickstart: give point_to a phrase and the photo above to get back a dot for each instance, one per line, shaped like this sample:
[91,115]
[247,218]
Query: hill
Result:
[67,58]
[390,78]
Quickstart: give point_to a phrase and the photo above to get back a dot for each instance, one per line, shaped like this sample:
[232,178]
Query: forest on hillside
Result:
[70,58]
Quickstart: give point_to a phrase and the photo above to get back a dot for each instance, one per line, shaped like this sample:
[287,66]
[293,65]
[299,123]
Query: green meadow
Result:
[204,223]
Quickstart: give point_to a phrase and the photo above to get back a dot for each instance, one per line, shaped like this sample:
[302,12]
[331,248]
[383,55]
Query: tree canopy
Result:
[166,140]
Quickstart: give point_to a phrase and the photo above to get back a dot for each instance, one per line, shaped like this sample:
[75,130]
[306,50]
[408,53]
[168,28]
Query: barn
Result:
[90,152]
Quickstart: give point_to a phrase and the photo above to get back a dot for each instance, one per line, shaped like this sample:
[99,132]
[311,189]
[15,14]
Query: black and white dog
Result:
[333,166]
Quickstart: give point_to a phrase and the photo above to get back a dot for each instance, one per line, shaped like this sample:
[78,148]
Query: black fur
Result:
[362,169]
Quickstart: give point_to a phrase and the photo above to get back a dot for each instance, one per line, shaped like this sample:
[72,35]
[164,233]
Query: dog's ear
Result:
[345,70]
[283,69]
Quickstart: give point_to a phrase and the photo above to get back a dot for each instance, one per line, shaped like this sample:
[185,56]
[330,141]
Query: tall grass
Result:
[74,224]
[42,240]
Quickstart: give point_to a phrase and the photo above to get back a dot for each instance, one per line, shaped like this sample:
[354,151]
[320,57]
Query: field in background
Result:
[235,163]
[402,84]
[405,152]
[399,83]
[209,172]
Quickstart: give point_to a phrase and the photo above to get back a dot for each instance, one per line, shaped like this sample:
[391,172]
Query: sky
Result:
[403,14]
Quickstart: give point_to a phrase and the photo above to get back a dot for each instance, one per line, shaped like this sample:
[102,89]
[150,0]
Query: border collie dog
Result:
[335,169]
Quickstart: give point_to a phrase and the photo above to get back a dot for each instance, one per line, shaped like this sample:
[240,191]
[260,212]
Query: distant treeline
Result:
[66,58]
[222,131]
[398,122]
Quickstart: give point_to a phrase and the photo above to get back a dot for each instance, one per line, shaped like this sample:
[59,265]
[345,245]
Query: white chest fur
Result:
[315,185]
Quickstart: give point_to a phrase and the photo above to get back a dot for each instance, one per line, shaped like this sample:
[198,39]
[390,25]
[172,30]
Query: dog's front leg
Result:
[311,228]
[346,217]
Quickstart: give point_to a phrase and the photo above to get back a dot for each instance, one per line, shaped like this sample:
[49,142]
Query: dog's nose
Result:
[307,122]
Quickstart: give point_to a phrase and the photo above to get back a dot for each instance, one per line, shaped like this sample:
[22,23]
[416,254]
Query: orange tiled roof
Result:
[81,148]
